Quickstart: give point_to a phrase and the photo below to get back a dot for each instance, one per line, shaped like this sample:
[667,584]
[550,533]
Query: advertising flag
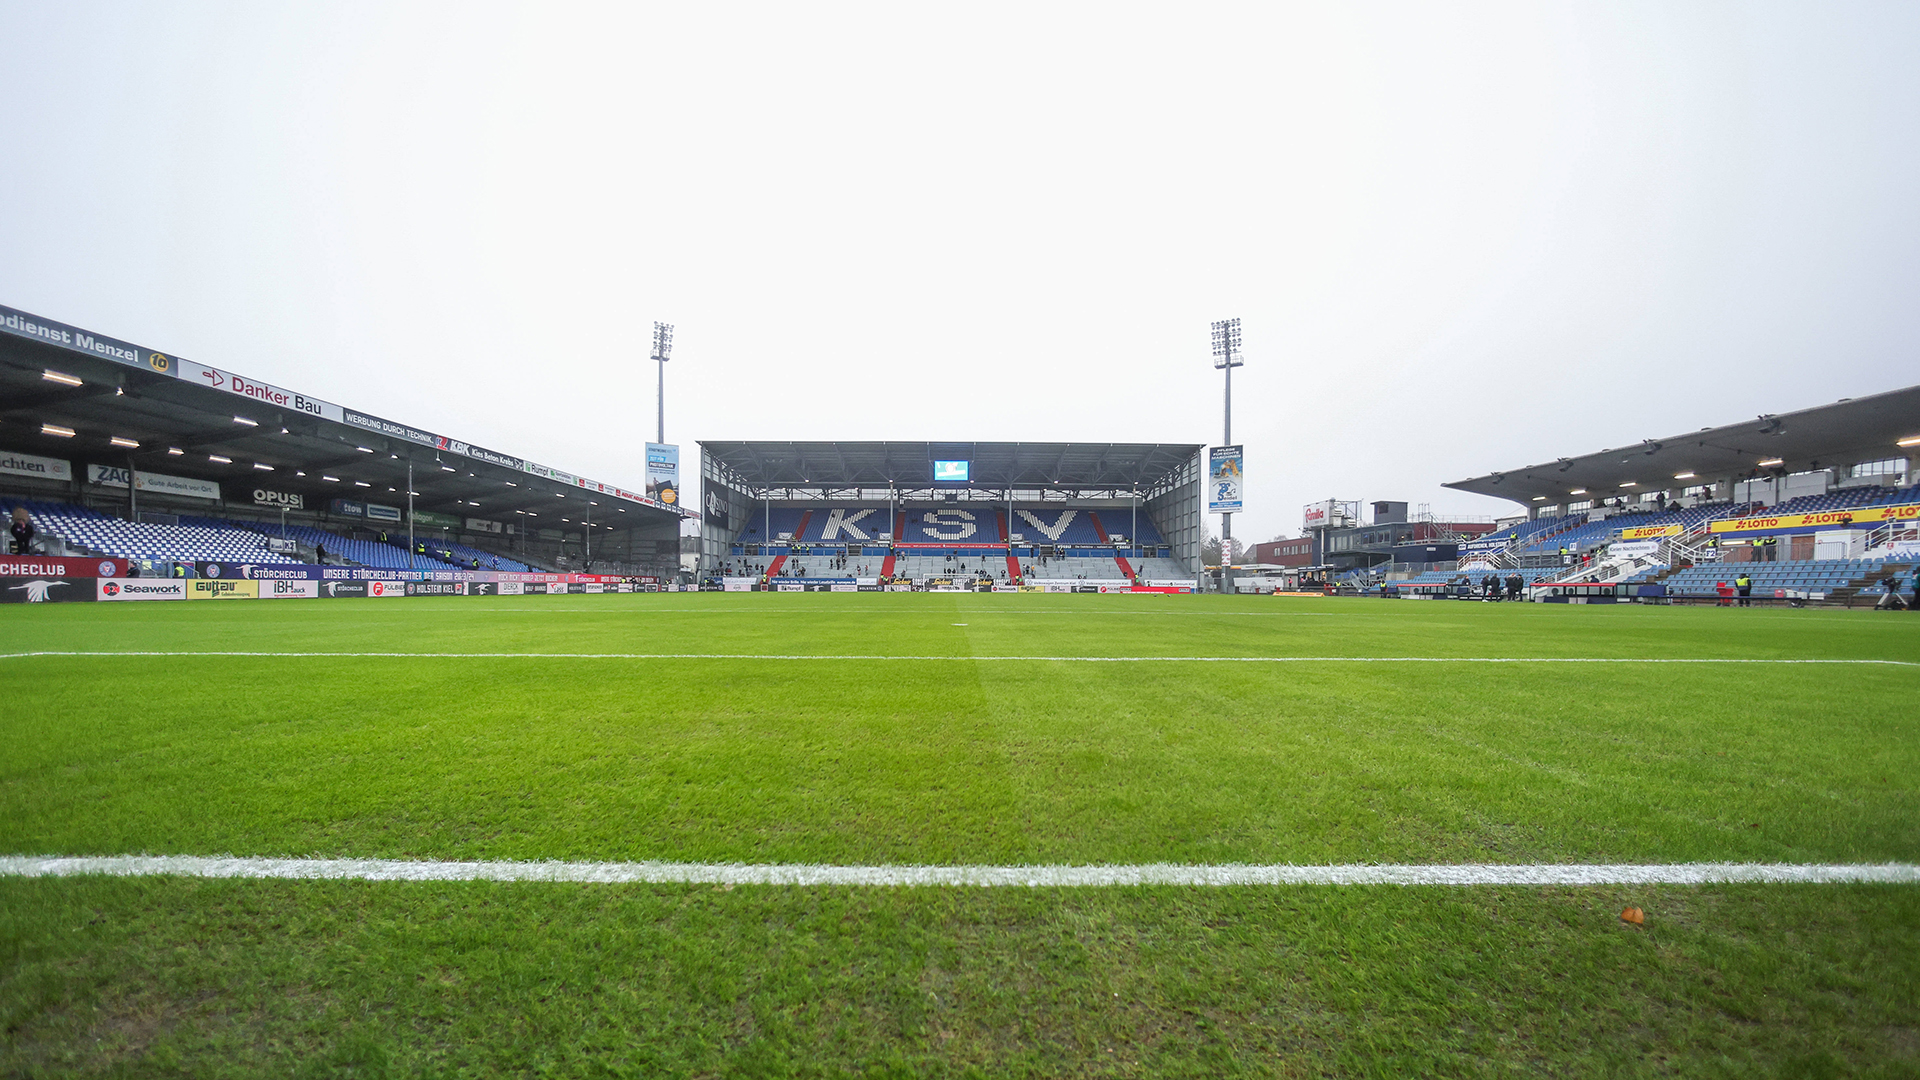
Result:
[1225,480]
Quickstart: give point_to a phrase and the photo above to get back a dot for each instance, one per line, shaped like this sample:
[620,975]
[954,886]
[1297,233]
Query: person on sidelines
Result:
[21,532]
[1744,586]
[1514,584]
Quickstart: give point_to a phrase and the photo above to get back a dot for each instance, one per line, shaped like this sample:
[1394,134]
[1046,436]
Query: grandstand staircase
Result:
[1006,537]
[773,568]
[1851,589]
[1101,531]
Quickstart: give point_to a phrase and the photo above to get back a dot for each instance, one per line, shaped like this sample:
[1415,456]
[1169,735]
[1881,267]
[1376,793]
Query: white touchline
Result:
[670,873]
[961,657]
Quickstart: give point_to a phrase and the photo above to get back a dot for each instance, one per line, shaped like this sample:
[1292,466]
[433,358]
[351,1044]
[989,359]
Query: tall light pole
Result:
[662,348]
[1226,348]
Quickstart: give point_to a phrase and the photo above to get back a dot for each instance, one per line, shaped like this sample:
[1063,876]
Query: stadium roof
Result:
[102,389]
[910,464]
[1847,432]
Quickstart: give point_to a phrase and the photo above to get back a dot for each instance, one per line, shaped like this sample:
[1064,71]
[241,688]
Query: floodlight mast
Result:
[662,348]
[1226,347]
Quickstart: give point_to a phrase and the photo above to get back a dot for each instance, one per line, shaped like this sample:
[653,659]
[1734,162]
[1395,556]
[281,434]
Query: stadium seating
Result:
[1819,576]
[103,534]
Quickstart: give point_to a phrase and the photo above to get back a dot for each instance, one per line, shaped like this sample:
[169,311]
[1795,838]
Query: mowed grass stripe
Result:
[864,657]
[800,874]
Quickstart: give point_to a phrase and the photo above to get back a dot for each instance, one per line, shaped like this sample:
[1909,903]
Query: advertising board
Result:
[1317,515]
[511,588]
[41,589]
[1650,532]
[384,589]
[279,499]
[350,507]
[141,589]
[663,473]
[288,590]
[376,512]
[222,589]
[1225,479]
[343,590]
[66,566]
[114,476]
[34,328]
[436,588]
[483,526]
[39,468]
[266,394]
[1858,515]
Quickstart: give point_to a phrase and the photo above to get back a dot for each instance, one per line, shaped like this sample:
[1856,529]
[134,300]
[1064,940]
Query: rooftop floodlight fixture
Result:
[330,479]
[124,442]
[364,449]
[263,466]
[1911,440]
[247,422]
[1578,491]
[662,350]
[1684,475]
[175,451]
[221,458]
[1768,463]
[60,377]
[57,430]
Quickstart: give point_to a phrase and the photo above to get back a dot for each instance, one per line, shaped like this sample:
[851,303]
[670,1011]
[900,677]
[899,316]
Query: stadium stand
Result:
[101,534]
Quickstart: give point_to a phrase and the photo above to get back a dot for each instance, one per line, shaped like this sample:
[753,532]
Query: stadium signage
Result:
[49,566]
[388,427]
[1226,477]
[482,525]
[344,589]
[41,590]
[265,393]
[141,589]
[349,508]
[437,521]
[264,497]
[289,590]
[663,473]
[1859,515]
[35,328]
[479,453]
[1650,532]
[222,589]
[40,468]
[1317,515]
[114,476]
[376,512]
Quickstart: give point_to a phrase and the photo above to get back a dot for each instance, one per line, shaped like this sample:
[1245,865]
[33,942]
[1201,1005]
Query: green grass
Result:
[957,762]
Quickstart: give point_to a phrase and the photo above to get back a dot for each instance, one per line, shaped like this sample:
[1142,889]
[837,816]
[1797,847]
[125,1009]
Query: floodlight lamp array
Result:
[1226,343]
[662,340]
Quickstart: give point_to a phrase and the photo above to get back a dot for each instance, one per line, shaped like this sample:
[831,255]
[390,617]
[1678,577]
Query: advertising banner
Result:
[511,588]
[222,589]
[435,521]
[114,476]
[386,588]
[350,508]
[277,499]
[376,512]
[663,473]
[1317,515]
[389,428]
[1856,516]
[39,468]
[480,453]
[288,590]
[714,501]
[436,588]
[1225,478]
[69,566]
[484,526]
[34,328]
[1650,532]
[141,589]
[205,375]
[343,590]
[42,589]
[1634,548]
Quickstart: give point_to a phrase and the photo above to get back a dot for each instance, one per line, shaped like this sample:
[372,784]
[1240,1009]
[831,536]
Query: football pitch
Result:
[724,741]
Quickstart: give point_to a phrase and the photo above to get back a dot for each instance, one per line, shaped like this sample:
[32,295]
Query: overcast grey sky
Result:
[1463,237]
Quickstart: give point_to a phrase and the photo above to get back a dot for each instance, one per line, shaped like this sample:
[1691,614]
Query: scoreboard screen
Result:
[950,470]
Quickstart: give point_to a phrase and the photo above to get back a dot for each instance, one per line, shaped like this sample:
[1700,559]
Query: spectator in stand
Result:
[320,554]
[21,532]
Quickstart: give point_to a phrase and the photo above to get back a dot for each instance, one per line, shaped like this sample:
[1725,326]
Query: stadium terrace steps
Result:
[773,570]
[1101,530]
[1013,563]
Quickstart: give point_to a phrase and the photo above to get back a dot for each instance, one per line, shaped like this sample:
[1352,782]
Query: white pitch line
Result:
[668,873]
[957,657]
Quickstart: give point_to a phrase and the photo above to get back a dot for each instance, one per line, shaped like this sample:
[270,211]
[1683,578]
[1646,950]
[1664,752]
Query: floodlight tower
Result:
[662,348]
[1226,349]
